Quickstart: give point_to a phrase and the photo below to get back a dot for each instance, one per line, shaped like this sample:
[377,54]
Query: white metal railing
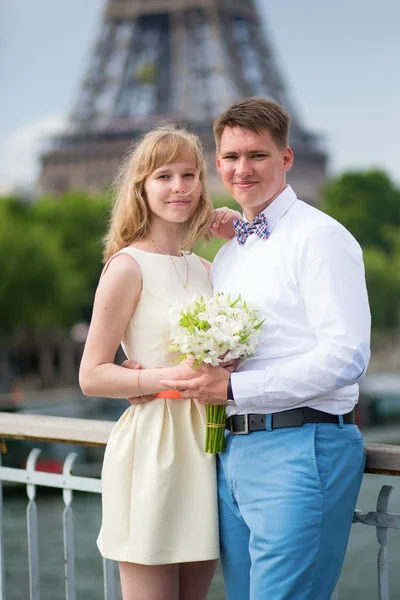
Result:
[68,483]
[381,459]
[59,429]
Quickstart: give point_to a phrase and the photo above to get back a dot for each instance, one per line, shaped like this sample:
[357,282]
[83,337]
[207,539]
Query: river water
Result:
[358,580]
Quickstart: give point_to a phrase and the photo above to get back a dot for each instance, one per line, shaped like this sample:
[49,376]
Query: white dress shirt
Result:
[307,280]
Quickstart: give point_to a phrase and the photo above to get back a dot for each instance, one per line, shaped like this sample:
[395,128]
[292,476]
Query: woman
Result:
[159,489]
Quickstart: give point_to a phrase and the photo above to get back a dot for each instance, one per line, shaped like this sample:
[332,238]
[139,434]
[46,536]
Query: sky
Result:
[340,60]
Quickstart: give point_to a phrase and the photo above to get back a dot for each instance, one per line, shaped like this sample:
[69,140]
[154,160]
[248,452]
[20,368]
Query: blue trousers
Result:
[286,503]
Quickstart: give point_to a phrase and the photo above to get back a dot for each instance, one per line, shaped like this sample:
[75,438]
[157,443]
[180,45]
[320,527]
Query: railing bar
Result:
[2,568]
[381,535]
[72,482]
[32,527]
[68,529]
[33,550]
[69,554]
[377,519]
[383,574]
[109,579]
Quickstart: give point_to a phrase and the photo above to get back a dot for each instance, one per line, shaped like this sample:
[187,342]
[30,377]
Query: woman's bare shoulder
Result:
[122,272]
[120,264]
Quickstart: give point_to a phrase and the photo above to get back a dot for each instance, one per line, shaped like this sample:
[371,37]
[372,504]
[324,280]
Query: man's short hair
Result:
[255,114]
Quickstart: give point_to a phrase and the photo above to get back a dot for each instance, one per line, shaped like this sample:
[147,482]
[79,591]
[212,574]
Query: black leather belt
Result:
[242,424]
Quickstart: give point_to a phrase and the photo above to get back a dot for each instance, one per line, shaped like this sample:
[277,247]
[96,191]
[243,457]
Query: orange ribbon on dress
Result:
[173,394]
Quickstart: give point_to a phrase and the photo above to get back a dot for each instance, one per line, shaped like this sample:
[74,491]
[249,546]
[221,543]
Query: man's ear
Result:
[288,158]
[218,162]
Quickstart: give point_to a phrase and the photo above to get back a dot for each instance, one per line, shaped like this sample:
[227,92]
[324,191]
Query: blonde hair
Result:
[130,218]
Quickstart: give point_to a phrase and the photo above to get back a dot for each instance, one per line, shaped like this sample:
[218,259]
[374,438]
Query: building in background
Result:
[184,61]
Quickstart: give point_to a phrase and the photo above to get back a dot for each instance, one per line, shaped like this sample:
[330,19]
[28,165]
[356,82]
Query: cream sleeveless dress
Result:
[159,485]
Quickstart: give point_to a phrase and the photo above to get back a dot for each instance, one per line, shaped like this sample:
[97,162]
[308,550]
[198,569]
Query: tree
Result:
[366,204]
[38,288]
[383,282]
[80,222]
[50,260]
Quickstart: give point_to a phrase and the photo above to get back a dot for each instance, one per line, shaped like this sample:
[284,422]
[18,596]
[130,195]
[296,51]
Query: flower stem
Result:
[215,436]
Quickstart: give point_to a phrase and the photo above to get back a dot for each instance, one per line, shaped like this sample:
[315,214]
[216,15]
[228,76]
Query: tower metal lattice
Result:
[179,60]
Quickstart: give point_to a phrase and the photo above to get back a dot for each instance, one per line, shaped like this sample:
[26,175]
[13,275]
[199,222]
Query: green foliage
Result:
[220,200]
[50,259]
[383,281]
[80,222]
[208,250]
[32,284]
[368,205]
[147,73]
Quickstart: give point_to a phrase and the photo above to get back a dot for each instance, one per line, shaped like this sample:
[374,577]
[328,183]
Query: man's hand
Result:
[230,365]
[208,386]
[131,364]
[222,222]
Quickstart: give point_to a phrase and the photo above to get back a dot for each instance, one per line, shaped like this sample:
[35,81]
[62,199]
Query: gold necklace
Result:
[173,262]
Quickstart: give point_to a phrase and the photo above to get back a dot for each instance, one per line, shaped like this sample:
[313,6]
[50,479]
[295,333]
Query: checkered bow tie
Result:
[243,229]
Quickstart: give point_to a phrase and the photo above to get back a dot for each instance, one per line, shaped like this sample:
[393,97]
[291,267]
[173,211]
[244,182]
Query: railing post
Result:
[68,527]
[109,579]
[2,567]
[32,526]
[381,535]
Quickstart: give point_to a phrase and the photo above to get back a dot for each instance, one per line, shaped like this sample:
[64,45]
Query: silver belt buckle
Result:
[246,425]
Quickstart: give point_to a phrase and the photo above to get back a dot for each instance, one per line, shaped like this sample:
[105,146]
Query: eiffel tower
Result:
[179,60]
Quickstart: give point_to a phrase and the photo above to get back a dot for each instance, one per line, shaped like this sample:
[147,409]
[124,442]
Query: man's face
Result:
[252,167]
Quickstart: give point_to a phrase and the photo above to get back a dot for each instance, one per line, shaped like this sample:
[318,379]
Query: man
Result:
[290,475]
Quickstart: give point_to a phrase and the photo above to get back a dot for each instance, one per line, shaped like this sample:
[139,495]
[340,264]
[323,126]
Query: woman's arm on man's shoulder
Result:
[222,223]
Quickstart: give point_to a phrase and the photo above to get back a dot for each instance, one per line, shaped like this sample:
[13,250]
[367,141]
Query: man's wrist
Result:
[229,392]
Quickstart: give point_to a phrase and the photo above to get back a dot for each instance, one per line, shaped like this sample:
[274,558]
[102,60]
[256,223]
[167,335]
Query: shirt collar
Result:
[278,207]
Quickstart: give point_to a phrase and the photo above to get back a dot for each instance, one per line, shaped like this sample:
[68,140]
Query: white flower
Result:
[215,329]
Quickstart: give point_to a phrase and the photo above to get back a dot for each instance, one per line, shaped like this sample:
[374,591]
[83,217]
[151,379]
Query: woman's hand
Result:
[207,384]
[184,371]
[221,225]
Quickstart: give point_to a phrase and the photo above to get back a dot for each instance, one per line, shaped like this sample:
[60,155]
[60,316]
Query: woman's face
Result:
[173,191]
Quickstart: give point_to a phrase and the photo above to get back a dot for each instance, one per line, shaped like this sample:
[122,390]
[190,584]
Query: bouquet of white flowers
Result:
[215,330]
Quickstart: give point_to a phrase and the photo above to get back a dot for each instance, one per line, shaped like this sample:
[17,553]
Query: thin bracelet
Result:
[138,384]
